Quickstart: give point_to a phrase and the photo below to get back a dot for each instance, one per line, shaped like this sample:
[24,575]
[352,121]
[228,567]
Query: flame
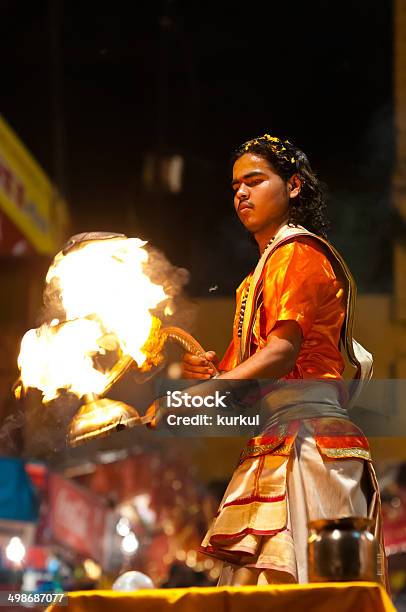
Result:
[168,311]
[53,358]
[107,299]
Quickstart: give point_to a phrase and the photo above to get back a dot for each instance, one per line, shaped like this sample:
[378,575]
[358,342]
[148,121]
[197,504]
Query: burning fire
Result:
[107,299]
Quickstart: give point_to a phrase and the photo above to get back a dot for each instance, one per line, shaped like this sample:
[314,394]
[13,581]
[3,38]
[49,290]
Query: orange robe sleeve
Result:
[298,279]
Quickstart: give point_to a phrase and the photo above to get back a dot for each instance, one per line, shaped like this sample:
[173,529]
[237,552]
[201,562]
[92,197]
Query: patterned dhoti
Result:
[294,472]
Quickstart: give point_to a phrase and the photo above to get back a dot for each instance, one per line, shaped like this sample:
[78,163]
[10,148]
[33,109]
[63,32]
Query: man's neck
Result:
[265,236]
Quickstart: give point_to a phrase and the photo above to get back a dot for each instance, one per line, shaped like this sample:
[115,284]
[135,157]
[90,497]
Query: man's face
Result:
[261,197]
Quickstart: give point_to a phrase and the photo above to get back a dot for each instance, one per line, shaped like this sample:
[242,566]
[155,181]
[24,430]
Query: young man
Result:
[292,312]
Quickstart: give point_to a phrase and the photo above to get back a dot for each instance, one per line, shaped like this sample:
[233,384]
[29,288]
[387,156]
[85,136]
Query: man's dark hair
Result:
[309,208]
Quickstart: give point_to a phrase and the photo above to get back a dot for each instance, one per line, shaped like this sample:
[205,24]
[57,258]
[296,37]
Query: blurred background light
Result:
[123,526]
[130,544]
[15,551]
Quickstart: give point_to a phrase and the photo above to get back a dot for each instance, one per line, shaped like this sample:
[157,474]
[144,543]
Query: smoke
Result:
[35,430]
[178,310]
[159,270]
[11,432]
[52,304]
[47,425]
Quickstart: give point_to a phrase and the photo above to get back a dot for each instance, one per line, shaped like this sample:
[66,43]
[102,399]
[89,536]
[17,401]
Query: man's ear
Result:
[294,186]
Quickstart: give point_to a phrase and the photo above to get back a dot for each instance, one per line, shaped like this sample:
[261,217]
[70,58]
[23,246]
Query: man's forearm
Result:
[274,360]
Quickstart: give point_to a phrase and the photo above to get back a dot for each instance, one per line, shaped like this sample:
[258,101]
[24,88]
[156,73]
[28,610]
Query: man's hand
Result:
[199,366]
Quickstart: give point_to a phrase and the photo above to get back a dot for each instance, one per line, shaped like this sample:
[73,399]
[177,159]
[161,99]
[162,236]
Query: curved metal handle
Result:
[186,341]
[176,334]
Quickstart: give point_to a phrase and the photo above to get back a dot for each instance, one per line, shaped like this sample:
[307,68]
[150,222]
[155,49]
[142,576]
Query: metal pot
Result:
[342,549]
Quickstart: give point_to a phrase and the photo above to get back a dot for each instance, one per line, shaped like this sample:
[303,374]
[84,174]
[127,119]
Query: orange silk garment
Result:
[299,284]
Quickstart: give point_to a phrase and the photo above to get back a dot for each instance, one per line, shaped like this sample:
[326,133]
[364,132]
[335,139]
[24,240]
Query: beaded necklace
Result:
[245,297]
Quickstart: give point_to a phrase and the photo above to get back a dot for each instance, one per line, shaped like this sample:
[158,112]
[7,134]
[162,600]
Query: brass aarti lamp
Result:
[98,416]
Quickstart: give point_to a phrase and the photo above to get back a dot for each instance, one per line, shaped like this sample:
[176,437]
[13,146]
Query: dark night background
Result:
[94,88]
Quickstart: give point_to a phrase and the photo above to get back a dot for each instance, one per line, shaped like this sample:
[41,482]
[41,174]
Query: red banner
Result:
[12,240]
[78,518]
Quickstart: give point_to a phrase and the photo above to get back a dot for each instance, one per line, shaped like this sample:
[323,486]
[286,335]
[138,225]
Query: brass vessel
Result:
[99,416]
[342,549]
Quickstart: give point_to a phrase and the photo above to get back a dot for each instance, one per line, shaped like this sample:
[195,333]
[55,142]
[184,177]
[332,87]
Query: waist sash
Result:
[302,400]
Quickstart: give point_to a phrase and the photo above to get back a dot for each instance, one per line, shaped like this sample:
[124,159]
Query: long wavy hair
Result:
[309,208]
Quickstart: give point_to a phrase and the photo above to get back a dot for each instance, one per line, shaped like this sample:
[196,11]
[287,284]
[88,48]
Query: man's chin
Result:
[250,227]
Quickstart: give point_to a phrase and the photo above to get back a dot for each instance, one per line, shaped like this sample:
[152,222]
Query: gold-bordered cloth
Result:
[255,506]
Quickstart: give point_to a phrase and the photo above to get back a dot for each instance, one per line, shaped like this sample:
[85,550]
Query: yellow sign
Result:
[28,197]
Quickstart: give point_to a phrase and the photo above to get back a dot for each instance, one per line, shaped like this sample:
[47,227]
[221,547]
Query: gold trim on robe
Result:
[251,527]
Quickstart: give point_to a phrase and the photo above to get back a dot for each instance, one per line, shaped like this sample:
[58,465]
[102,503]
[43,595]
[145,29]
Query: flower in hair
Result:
[276,145]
